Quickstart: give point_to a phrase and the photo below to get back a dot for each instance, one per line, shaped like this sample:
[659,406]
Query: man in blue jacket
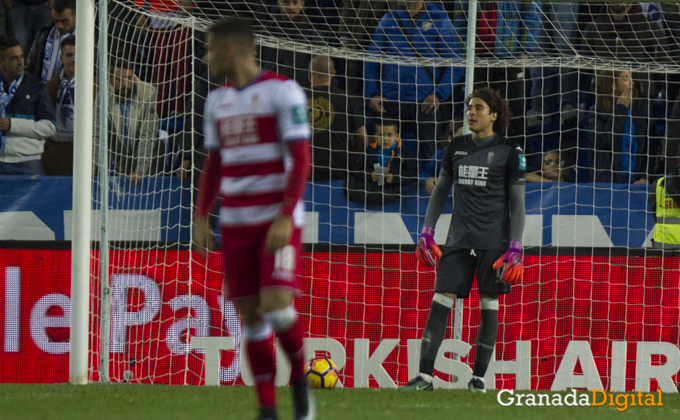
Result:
[27,115]
[410,93]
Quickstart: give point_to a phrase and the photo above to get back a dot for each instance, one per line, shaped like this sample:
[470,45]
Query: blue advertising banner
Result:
[159,209]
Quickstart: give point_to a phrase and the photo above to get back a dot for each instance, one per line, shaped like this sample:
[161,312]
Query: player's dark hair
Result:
[60,6]
[496,104]
[237,30]
[387,122]
[69,41]
[7,43]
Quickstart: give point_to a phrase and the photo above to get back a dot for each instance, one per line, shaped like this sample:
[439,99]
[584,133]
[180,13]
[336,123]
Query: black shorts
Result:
[457,269]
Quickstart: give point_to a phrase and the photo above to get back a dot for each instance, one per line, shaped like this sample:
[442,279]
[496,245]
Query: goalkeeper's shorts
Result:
[458,267]
[248,269]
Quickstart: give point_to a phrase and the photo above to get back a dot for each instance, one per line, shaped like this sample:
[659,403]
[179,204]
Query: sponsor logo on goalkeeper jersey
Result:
[594,398]
[473,175]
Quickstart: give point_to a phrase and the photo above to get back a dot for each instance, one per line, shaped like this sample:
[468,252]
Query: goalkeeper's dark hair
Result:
[237,30]
[496,104]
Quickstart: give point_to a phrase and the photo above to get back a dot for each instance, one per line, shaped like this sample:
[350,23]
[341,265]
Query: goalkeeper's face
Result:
[479,116]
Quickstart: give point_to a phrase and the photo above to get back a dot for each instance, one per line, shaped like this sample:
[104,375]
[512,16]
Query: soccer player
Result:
[487,172]
[257,138]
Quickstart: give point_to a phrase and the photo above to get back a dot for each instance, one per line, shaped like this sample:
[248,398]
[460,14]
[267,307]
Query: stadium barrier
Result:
[565,215]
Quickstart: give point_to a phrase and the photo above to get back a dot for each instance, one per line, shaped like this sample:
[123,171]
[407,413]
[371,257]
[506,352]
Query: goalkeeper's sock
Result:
[288,329]
[434,332]
[262,360]
[486,340]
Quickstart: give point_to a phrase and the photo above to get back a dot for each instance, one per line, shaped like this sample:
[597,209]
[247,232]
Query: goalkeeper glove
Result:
[426,244]
[511,261]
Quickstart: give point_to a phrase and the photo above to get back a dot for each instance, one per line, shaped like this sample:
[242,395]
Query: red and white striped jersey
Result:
[250,126]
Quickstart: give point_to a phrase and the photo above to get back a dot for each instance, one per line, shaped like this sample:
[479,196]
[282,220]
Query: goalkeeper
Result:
[488,174]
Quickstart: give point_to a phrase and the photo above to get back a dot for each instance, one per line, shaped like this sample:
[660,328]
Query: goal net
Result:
[592,88]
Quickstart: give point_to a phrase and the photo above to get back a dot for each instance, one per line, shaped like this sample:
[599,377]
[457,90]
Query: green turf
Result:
[130,402]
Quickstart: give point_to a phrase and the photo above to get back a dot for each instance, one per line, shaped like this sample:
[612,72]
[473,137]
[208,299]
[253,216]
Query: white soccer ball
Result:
[128,376]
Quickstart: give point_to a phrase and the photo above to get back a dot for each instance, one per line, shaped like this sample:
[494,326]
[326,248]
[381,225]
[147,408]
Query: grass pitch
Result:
[131,402]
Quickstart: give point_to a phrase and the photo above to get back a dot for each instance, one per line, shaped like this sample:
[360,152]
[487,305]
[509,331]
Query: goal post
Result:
[82,199]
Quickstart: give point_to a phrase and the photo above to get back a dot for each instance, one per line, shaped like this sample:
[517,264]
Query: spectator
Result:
[386,167]
[334,118]
[429,175]
[618,124]
[26,114]
[552,169]
[253,11]
[57,159]
[290,23]
[505,29]
[559,36]
[25,18]
[43,58]
[411,93]
[169,51]
[358,20]
[133,122]
[664,202]
[622,32]
[666,163]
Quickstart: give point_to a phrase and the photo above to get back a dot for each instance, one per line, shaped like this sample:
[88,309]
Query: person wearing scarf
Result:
[58,156]
[44,57]
[26,114]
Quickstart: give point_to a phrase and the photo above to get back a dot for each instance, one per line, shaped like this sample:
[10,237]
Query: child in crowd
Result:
[386,166]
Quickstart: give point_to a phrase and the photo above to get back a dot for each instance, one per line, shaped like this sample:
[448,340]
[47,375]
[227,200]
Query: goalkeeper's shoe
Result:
[417,384]
[267,413]
[476,385]
[304,407]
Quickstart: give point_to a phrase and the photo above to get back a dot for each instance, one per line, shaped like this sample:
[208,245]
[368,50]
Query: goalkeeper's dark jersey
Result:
[481,175]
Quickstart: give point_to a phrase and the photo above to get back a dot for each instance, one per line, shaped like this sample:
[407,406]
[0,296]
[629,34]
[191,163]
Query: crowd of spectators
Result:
[614,114]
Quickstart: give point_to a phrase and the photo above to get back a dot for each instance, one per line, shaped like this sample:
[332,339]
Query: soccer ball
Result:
[321,373]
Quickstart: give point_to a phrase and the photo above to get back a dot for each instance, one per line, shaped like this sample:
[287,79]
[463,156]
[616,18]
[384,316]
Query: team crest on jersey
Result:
[427,26]
[489,157]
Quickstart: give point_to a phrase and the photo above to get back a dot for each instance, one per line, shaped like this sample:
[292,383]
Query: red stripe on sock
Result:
[262,360]
[292,343]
